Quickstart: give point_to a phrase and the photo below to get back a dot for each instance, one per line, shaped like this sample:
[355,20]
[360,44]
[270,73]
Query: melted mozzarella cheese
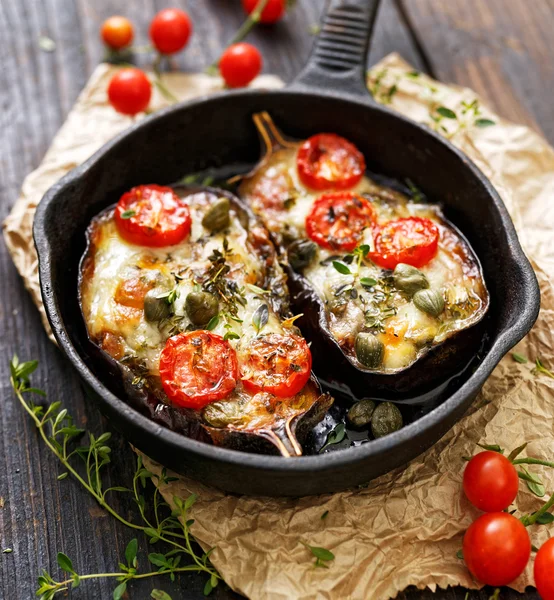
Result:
[119,265]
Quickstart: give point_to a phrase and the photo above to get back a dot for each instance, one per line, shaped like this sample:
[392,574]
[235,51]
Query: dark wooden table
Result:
[501,48]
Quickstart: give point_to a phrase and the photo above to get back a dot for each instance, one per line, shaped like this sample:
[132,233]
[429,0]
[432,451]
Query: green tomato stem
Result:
[530,520]
[532,461]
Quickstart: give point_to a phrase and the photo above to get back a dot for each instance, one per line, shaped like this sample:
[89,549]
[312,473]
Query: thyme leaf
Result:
[260,317]
[336,435]
[519,358]
[483,123]
[322,555]
[446,112]
[341,268]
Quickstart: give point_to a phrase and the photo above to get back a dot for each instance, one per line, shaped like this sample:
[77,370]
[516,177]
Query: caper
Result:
[386,419]
[222,414]
[408,279]
[301,253]
[201,307]
[359,414]
[217,217]
[369,350]
[156,308]
[429,301]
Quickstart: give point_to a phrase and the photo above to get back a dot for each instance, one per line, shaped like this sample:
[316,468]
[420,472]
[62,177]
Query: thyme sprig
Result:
[215,281]
[448,120]
[539,367]
[172,527]
[378,307]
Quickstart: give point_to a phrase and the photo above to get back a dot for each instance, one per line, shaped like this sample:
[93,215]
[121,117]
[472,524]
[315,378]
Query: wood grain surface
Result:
[501,48]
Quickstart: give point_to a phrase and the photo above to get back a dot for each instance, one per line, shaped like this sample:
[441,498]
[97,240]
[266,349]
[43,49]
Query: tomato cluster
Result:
[496,546]
[130,90]
[337,220]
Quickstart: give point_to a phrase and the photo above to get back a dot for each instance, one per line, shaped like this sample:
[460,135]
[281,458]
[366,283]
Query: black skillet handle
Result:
[338,60]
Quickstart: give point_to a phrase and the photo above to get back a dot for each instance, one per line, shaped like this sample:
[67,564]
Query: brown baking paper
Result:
[406,527]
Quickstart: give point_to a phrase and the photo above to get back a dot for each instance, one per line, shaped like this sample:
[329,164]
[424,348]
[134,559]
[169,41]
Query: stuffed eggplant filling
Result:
[393,277]
[183,290]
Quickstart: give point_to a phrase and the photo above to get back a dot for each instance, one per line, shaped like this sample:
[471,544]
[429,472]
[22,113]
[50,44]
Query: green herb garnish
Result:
[322,555]
[86,464]
[341,268]
[336,435]
[127,214]
[483,123]
[519,358]
[260,317]
[446,112]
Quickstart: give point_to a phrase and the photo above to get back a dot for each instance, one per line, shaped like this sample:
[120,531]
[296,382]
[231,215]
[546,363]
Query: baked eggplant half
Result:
[383,278]
[183,296]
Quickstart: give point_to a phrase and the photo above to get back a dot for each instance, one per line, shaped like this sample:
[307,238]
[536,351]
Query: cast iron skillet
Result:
[328,95]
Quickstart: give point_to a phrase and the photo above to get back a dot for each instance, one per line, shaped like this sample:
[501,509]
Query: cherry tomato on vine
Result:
[170,30]
[496,548]
[337,220]
[152,215]
[544,570]
[413,241]
[276,363]
[129,91]
[239,64]
[198,367]
[117,32]
[327,160]
[273,11]
[490,481]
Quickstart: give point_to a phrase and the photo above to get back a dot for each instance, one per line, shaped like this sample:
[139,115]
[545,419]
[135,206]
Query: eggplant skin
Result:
[434,368]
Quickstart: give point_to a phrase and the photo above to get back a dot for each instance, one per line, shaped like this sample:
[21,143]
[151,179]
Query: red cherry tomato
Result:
[129,91]
[272,12]
[117,32]
[198,367]
[337,220]
[490,481]
[152,215]
[413,241]
[276,363]
[239,64]
[544,570]
[327,161]
[496,548]
[170,30]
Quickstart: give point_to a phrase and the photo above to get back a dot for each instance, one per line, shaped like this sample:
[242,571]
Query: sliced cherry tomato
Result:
[327,161]
[198,367]
[544,570]
[239,64]
[170,30]
[152,215]
[413,241]
[276,363]
[117,32]
[272,12]
[129,91]
[490,481]
[496,548]
[337,220]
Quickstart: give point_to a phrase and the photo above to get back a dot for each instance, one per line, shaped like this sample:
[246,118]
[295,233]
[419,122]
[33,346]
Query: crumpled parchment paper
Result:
[405,527]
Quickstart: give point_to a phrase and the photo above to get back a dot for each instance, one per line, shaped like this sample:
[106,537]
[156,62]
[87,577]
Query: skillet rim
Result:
[506,339]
